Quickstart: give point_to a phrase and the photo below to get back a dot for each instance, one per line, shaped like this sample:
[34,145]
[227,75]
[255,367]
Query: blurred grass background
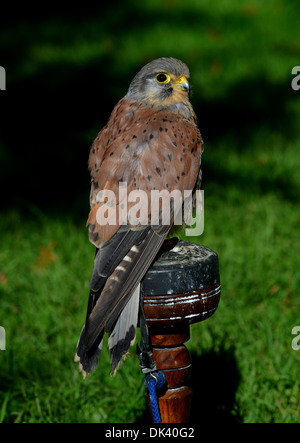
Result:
[66,68]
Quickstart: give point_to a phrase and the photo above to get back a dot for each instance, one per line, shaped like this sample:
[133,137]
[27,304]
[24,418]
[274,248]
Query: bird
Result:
[151,142]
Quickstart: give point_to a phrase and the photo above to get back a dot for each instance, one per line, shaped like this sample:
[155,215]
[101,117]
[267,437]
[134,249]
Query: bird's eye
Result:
[163,78]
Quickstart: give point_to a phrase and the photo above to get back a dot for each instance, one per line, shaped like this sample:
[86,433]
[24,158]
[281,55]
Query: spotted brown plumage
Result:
[151,142]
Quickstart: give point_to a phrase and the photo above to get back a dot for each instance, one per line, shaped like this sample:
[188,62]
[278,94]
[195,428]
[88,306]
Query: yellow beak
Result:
[183,84]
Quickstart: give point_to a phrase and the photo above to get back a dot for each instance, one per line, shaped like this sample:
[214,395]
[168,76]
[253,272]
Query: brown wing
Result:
[148,149]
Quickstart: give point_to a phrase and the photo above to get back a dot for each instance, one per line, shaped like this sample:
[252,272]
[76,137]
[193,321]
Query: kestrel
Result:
[151,142]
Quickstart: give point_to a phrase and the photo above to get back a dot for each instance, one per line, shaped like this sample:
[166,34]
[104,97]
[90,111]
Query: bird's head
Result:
[161,83]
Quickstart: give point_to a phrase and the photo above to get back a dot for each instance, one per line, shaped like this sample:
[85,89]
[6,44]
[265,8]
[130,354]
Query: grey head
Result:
[161,83]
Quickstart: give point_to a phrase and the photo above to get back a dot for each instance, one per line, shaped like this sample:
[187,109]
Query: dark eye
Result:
[163,78]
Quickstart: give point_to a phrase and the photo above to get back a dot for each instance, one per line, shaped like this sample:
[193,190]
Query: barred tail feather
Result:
[124,332]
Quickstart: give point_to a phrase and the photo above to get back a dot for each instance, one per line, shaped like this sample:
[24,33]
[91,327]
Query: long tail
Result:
[119,341]
[114,296]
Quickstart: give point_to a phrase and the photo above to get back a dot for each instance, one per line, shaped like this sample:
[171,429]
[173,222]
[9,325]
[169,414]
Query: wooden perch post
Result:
[181,287]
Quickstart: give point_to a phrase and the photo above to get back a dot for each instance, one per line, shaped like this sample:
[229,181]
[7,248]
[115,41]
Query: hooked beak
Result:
[183,84]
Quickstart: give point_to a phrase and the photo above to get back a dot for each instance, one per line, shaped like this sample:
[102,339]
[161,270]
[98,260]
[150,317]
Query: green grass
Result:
[244,369]
[46,265]
[256,234]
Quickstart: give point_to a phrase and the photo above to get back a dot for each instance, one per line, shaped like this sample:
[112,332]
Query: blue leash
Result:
[154,379]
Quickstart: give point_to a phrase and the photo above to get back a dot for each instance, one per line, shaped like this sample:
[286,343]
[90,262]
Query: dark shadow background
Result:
[215,378]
